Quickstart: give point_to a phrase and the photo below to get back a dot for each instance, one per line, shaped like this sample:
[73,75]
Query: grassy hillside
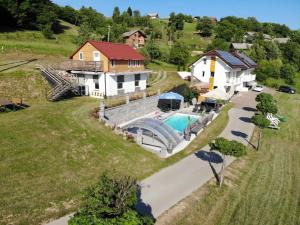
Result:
[34,42]
[262,188]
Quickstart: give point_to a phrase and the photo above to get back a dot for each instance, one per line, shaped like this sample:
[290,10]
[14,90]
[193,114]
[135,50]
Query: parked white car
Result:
[258,88]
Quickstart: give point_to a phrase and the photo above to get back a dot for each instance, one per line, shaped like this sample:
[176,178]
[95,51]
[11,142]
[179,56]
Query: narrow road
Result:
[165,188]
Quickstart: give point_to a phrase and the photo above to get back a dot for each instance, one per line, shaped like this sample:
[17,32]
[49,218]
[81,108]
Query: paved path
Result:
[165,188]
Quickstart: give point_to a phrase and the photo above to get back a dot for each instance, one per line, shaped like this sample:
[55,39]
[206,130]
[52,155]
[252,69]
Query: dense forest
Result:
[275,60]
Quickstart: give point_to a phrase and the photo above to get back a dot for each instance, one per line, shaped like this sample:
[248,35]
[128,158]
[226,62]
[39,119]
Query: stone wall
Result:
[131,110]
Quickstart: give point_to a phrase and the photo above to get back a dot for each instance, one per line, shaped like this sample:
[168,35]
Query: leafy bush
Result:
[260,121]
[227,147]
[111,201]
[274,83]
[268,68]
[46,31]
[288,72]
[264,97]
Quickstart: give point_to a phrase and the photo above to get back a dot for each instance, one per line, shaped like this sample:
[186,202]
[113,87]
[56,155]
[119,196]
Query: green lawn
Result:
[34,42]
[51,151]
[262,188]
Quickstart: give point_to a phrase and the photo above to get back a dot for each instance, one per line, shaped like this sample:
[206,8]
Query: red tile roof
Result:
[114,51]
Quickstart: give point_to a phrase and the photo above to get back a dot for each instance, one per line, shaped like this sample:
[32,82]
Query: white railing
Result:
[97,94]
[240,79]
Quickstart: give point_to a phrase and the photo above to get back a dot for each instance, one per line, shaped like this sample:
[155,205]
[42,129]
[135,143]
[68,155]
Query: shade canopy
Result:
[171,96]
[217,94]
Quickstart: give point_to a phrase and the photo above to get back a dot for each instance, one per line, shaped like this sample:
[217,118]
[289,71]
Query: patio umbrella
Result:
[217,94]
[171,96]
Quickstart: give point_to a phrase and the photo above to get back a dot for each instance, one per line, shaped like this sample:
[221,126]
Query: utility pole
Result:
[108,33]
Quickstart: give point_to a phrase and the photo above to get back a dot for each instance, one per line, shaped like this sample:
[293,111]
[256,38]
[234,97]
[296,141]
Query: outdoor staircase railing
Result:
[61,85]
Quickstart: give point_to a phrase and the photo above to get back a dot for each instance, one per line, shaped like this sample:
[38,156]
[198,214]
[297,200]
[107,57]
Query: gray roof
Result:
[129,33]
[241,46]
[252,33]
[281,40]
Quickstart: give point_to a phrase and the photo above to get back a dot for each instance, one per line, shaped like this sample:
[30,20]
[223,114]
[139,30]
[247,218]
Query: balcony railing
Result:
[238,80]
[90,66]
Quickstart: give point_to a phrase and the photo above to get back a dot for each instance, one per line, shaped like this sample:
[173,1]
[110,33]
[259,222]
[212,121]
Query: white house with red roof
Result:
[108,69]
[227,71]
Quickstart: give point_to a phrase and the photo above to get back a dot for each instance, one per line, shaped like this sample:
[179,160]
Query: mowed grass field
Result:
[51,151]
[262,188]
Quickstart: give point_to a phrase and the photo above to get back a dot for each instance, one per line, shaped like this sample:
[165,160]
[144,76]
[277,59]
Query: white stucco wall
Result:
[128,85]
[111,83]
[221,68]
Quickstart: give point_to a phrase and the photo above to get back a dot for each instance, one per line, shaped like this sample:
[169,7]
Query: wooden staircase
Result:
[61,85]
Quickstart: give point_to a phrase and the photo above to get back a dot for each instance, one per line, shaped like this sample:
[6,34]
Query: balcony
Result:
[240,79]
[90,66]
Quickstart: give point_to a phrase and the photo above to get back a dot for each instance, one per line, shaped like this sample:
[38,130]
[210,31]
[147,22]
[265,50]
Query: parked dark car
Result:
[287,89]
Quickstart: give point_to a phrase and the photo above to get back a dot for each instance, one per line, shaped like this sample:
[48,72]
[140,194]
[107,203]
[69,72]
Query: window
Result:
[120,85]
[137,78]
[81,56]
[138,63]
[204,60]
[212,74]
[113,63]
[203,73]
[96,81]
[120,81]
[96,55]
[129,63]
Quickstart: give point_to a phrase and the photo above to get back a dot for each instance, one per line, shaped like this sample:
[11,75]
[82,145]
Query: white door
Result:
[96,56]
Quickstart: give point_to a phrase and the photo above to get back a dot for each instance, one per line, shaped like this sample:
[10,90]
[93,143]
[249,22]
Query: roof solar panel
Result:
[247,59]
[230,58]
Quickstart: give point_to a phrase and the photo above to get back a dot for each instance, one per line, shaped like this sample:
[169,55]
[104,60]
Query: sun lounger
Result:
[196,128]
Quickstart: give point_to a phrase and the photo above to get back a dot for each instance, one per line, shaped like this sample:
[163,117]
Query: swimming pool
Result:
[180,121]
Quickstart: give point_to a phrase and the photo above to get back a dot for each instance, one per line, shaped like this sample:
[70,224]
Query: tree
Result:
[205,26]
[179,54]
[116,15]
[218,44]
[227,148]
[153,50]
[261,122]
[272,50]
[69,14]
[47,21]
[257,52]
[288,72]
[291,53]
[111,201]
[176,22]
[225,30]
[268,68]
[129,11]
[85,33]
[266,104]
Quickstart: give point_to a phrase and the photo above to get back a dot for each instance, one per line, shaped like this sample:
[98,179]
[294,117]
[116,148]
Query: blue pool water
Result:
[180,121]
